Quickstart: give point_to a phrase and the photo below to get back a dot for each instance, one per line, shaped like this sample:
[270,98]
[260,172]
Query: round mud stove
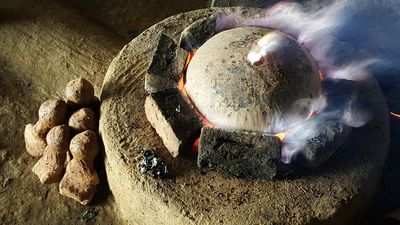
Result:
[333,193]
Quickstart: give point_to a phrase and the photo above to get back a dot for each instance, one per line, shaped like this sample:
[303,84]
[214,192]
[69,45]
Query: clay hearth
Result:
[185,95]
[333,193]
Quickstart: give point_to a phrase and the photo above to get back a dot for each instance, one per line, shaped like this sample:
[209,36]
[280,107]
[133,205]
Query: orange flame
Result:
[280,136]
[189,58]
[311,114]
[196,145]
[182,89]
[321,75]
[395,115]
[181,86]
[182,79]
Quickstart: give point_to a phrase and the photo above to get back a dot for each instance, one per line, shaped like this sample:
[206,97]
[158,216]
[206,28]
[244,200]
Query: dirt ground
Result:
[43,45]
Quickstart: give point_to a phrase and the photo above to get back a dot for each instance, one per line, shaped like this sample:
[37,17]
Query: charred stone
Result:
[319,148]
[240,154]
[166,66]
[174,119]
[196,34]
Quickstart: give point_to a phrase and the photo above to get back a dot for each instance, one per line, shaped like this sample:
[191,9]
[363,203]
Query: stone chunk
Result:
[196,34]
[240,154]
[319,148]
[166,66]
[174,120]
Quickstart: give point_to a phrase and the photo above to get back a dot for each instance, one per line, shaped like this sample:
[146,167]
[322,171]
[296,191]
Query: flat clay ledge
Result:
[335,193]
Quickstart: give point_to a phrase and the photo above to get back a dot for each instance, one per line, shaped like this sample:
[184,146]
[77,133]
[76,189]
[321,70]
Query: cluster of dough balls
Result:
[66,141]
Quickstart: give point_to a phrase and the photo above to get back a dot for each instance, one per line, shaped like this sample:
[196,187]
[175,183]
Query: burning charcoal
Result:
[322,145]
[177,128]
[151,163]
[240,154]
[196,34]
[166,66]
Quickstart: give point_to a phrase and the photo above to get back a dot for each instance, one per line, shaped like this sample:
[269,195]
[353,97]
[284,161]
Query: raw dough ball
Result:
[79,91]
[83,119]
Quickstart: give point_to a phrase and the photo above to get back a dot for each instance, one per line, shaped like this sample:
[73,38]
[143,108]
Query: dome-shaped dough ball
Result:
[83,119]
[232,93]
[79,91]
[52,112]
[84,146]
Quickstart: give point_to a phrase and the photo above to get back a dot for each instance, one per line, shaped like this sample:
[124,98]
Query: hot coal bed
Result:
[236,148]
[207,94]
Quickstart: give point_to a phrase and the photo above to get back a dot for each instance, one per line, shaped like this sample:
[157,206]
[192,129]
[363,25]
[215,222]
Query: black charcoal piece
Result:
[160,171]
[321,146]
[148,155]
[240,154]
[166,66]
[146,164]
[149,162]
[197,33]
[174,119]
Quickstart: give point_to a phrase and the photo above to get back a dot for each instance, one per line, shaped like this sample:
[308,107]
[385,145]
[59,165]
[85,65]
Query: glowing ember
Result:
[321,75]
[311,114]
[196,145]
[395,115]
[190,56]
[281,136]
[181,87]
[181,82]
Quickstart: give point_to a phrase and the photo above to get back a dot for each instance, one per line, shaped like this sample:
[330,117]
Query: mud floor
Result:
[43,45]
